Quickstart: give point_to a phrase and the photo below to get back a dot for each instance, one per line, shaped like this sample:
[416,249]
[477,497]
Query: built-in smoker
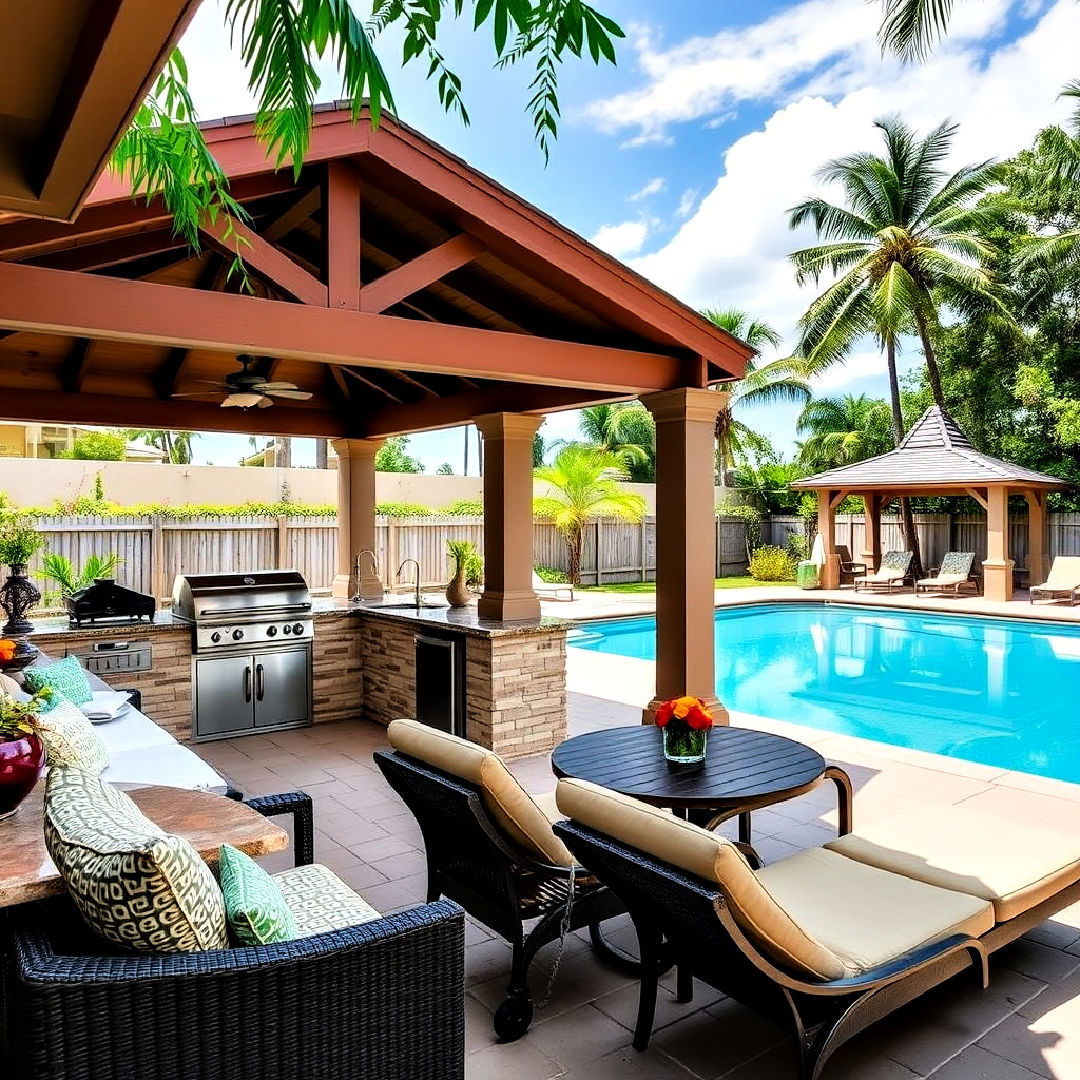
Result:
[251,638]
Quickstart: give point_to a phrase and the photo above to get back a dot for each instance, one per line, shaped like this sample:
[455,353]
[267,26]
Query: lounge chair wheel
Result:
[512,1018]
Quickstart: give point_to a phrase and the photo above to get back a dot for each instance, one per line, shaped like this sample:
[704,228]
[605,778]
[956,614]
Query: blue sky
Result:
[683,159]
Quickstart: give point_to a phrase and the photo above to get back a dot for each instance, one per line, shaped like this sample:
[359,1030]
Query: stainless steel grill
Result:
[251,647]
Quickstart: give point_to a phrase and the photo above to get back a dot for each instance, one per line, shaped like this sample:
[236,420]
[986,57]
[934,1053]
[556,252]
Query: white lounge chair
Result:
[552,590]
[954,572]
[1064,580]
[894,570]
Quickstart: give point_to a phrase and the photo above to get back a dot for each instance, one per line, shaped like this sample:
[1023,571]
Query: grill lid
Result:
[257,592]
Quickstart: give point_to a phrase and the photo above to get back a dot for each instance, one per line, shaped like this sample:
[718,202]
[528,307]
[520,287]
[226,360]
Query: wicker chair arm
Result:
[135,697]
[299,804]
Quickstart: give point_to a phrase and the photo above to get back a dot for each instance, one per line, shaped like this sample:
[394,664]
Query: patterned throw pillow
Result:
[71,740]
[254,907]
[135,885]
[67,677]
[320,901]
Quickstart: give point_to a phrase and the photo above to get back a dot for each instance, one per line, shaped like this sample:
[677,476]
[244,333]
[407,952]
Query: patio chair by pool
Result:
[490,847]
[1064,580]
[826,941]
[953,573]
[849,571]
[894,570]
[552,590]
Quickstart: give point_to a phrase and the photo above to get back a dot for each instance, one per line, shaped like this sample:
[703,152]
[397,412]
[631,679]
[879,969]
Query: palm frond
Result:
[911,28]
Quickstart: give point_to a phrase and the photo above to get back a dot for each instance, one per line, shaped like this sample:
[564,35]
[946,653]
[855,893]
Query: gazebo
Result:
[937,458]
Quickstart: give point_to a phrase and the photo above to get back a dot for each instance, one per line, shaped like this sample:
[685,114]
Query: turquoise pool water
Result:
[1003,692]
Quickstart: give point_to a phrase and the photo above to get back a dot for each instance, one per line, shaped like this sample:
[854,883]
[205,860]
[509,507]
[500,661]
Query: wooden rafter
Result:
[372,385]
[341,235]
[419,273]
[342,384]
[213,276]
[76,366]
[303,208]
[405,377]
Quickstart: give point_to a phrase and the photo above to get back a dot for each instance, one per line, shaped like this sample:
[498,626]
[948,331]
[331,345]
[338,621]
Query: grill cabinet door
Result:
[282,687]
[224,695]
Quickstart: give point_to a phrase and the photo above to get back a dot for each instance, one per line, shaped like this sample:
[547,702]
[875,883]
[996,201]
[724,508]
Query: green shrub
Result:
[771,563]
[798,545]
[401,509]
[549,575]
[19,541]
[97,446]
[465,553]
[464,508]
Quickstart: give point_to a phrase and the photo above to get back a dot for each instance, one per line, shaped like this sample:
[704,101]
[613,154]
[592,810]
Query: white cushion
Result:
[132,731]
[164,765]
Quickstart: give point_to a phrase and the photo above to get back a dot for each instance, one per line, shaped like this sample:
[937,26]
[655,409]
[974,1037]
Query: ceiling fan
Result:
[246,388]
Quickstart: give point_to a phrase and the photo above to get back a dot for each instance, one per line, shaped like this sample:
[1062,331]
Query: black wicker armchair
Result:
[470,860]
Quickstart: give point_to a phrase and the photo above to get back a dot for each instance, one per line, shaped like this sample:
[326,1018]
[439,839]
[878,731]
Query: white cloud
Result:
[733,250]
[621,240]
[653,187]
[686,202]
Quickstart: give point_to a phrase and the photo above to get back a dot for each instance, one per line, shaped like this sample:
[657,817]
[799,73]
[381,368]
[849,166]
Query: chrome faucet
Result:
[358,565]
[405,562]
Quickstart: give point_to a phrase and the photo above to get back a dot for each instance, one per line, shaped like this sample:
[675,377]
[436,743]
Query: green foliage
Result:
[445,469]
[625,430]
[843,430]
[798,546]
[60,570]
[771,563]
[550,575]
[391,457]
[97,446]
[19,540]
[402,509]
[747,513]
[99,488]
[20,718]
[766,485]
[176,444]
[464,508]
[465,555]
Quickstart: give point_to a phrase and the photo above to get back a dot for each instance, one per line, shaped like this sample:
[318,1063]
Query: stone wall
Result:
[389,668]
[338,683]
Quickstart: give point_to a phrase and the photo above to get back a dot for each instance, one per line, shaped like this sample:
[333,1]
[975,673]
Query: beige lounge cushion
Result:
[864,915]
[944,579]
[507,801]
[1012,865]
[320,901]
[1064,574]
[706,855]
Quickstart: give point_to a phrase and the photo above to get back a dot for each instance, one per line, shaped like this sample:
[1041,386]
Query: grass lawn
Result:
[650,586]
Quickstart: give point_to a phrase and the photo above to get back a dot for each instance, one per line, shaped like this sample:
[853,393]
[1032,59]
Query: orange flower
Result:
[691,711]
[7,649]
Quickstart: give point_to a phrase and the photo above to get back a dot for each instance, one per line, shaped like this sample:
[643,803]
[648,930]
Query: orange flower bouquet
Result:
[684,724]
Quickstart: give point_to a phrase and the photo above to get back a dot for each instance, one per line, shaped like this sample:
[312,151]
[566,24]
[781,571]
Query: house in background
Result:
[52,440]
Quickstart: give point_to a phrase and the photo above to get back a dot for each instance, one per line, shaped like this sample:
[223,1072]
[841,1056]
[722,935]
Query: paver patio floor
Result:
[1026,1026]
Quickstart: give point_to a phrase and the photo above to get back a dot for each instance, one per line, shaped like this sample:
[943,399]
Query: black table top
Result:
[741,766]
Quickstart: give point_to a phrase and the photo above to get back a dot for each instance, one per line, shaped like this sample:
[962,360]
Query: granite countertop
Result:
[59,624]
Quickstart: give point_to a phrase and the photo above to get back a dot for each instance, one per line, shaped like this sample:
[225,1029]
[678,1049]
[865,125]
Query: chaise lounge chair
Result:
[1064,580]
[826,941]
[490,847]
[894,570]
[954,571]
[555,590]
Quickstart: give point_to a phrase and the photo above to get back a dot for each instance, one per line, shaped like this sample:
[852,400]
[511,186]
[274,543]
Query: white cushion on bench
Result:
[132,731]
[166,765]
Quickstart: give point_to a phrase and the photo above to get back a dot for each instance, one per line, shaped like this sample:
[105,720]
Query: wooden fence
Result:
[153,550]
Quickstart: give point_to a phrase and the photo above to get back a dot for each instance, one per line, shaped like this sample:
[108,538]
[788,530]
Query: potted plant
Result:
[684,724]
[22,753]
[468,572]
[19,541]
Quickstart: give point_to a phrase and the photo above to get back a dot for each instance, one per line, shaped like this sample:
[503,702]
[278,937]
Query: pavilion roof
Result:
[934,453]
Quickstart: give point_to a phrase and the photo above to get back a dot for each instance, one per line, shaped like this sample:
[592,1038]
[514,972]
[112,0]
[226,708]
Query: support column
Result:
[508,516]
[685,545]
[998,567]
[1036,560]
[826,527]
[356,519]
[871,552]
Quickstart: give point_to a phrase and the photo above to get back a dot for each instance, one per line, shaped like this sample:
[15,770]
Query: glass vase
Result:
[684,745]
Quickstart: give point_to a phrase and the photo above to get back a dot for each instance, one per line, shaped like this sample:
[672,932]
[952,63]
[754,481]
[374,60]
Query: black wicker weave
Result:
[299,804]
[379,1001]
[470,860]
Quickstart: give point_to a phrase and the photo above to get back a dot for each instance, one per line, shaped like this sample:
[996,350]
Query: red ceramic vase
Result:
[22,761]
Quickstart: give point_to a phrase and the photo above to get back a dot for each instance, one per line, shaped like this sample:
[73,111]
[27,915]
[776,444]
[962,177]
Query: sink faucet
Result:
[405,562]
[364,592]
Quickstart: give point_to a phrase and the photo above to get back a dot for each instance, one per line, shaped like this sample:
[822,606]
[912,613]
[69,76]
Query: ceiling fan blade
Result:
[278,386]
[241,400]
[292,395]
[202,393]
[264,404]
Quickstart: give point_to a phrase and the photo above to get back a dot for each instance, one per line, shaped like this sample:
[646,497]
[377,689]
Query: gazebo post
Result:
[356,518]
[508,516]
[826,524]
[685,545]
[871,552]
[998,567]
[1036,560]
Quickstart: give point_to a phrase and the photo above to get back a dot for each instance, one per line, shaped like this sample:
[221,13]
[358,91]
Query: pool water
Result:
[1003,692]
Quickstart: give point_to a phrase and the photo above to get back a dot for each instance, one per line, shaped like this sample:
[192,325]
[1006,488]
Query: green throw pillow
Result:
[67,678]
[254,906]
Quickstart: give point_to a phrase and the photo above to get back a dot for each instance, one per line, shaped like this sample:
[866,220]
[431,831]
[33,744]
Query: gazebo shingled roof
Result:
[935,451]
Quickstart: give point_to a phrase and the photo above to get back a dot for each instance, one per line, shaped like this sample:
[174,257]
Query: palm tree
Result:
[585,486]
[768,384]
[176,444]
[843,430]
[627,431]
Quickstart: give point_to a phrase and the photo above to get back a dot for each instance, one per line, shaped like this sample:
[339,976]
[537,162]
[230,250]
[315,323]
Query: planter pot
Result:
[458,593]
[22,762]
[17,596]
[684,745]
[25,655]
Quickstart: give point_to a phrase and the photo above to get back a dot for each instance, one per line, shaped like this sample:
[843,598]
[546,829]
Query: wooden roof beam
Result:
[303,208]
[341,235]
[372,385]
[419,273]
[76,366]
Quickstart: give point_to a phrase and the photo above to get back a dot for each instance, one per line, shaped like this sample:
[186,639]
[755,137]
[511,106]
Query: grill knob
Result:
[286,629]
[271,631]
[237,635]
[215,637]
[298,628]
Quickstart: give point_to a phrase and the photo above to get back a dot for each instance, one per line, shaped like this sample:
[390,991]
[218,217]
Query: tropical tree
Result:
[842,430]
[625,430]
[176,444]
[767,485]
[392,456]
[772,383]
[585,485]
[281,42]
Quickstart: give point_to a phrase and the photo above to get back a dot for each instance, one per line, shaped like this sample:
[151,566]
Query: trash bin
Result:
[806,575]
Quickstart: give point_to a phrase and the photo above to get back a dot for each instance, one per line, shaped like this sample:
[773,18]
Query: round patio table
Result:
[744,770]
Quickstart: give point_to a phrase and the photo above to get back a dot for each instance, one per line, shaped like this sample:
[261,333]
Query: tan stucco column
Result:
[685,544]
[871,552]
[508,516]
[997,567]
[356,518]
[826,527]
[1036,560]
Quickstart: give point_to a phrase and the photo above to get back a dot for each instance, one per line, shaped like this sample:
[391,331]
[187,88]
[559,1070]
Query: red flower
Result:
[691,711]
[664,713]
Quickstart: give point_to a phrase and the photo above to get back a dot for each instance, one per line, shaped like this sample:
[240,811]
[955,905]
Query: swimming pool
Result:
[1003,692]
